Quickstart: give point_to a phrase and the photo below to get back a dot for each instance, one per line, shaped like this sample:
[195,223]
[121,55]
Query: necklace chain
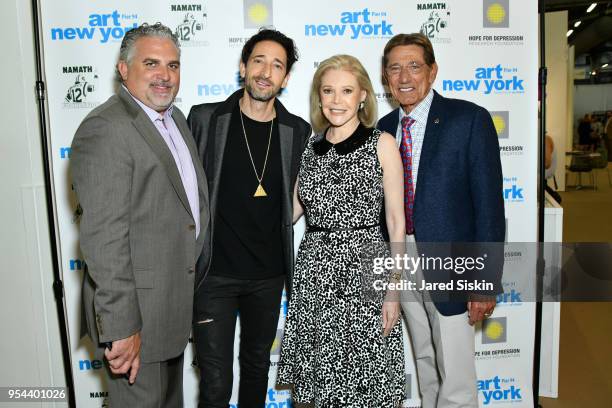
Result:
[263,170]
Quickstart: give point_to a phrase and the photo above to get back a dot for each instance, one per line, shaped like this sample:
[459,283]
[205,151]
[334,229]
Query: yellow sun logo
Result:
[276,344]
[496,13]
[499,123]
[494,330]
[258,13]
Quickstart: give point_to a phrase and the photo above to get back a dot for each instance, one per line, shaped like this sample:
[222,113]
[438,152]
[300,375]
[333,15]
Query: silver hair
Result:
[126,51]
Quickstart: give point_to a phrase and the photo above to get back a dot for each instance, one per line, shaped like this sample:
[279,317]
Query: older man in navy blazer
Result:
[453,194]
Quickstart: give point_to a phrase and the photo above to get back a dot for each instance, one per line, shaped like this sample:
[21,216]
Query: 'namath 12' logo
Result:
[83,84]
[193,21]
[102,395]
[435,21]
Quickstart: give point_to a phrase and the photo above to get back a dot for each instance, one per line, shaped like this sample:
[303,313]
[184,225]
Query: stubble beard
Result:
[257,95]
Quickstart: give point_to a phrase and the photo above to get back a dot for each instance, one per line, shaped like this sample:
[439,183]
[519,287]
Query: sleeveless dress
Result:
[333,351]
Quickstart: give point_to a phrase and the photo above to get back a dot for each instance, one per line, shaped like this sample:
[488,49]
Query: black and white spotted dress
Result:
[333,350]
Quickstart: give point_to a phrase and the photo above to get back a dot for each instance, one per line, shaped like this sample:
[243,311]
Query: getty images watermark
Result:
[514,272]
[446,271]
[404,265]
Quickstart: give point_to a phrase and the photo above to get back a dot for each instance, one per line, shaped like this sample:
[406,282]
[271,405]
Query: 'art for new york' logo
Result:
[103,27]
[488,80]
[360,24]
[513,192]
[499,390]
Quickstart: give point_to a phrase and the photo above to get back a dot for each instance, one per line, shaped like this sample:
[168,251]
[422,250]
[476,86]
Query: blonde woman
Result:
[342,348]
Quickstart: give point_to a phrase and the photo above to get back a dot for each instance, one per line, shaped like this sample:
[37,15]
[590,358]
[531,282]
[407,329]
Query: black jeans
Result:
[216,305]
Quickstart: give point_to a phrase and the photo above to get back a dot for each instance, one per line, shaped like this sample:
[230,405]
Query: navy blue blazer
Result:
[458,196]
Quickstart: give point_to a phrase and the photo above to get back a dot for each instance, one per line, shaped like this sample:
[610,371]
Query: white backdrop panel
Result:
[486,51]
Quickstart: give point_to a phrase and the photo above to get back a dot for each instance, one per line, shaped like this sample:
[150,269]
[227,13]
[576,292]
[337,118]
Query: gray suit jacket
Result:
[137,232]
[210,123]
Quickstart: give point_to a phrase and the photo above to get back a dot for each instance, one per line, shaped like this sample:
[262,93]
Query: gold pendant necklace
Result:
[259,192]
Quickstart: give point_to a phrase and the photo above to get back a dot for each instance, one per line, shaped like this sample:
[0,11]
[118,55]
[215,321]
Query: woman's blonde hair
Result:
[367,115]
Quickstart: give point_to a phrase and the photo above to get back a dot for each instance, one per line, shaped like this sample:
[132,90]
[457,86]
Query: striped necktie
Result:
[406,153]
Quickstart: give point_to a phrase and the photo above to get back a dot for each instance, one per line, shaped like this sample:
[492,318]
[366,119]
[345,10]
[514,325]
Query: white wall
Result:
[30,351]
[556,88]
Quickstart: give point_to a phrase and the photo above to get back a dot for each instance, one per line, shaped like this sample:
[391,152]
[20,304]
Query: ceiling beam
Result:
[554,5]
[593,35]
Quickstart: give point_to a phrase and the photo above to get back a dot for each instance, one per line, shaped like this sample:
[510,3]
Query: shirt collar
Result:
[151,113]
[420,112]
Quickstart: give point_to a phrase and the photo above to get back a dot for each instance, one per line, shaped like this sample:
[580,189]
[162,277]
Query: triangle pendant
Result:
[260,192]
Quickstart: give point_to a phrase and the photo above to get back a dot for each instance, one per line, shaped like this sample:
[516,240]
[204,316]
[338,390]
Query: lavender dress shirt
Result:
[175,142]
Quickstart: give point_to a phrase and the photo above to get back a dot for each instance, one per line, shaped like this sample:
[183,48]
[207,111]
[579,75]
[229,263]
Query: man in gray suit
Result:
[250,146]
[145,215]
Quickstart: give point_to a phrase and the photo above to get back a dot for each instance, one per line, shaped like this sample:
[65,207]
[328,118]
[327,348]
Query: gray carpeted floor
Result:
[585,361]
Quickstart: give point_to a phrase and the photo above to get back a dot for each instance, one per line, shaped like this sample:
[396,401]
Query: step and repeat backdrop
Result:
[486,51]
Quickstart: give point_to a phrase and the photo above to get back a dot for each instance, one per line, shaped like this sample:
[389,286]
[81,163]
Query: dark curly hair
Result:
[266,34]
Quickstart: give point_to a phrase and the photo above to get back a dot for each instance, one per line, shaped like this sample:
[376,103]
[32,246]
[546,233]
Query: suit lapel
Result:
[221,133]
[430,143]
[390,122]
[151,135]
[286,150]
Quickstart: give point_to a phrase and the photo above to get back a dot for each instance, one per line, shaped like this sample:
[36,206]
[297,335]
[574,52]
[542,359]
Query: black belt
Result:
[314,228]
